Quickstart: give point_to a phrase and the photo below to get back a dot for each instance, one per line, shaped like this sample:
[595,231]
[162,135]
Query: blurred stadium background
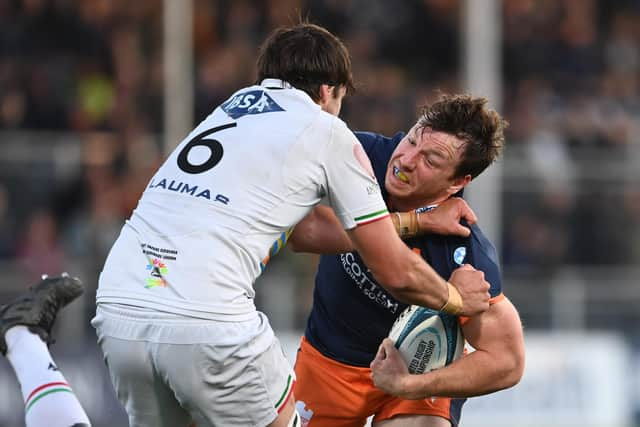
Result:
[94,92]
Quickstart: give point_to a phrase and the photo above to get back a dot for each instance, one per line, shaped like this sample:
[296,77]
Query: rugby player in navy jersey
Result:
[454,140]
[176,318]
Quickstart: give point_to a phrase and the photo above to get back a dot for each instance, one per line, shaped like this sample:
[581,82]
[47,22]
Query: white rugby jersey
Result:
[226,199]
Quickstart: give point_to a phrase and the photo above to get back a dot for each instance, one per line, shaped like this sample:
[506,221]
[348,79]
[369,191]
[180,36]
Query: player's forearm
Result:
[475,374]
[398,269]
[320,232]
[419,283]
[410,224]
[320,244]
[498,362]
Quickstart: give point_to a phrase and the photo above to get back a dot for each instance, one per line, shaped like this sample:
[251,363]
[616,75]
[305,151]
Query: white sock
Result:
[49,400]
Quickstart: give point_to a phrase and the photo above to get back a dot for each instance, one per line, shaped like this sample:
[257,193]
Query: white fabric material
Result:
[129,323]
[198,239]
[39,381]
[230,374]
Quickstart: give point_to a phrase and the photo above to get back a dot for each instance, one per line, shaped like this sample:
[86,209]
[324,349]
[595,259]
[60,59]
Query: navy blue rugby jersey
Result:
[351,312]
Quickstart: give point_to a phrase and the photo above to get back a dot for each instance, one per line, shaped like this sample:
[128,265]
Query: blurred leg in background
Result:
[25,332]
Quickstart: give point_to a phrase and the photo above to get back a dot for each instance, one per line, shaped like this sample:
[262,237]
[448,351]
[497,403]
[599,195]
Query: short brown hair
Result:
[469,119]
[306,56]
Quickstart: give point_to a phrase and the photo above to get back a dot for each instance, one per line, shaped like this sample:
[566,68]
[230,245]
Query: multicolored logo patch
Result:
[275,248]
[156,270]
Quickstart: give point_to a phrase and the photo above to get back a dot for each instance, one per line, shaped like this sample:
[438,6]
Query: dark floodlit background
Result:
[94,92]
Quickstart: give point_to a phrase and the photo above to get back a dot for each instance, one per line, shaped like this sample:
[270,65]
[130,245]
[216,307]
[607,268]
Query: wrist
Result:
[454,301]
[408,386]
[426,223]
[415,386]
[405,223]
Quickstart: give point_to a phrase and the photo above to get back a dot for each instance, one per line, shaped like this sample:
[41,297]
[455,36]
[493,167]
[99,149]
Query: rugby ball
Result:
[426,338]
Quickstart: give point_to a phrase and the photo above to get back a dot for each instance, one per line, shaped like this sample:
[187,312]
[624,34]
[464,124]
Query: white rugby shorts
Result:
[172,371]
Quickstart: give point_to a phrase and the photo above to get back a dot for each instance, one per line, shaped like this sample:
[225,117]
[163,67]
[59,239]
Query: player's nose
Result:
[407,162]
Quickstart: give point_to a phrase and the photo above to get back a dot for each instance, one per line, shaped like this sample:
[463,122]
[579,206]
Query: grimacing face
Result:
[420,171]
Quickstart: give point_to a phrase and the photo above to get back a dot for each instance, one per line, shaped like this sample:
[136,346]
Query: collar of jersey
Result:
[275,84]
[418,210]
[426,208]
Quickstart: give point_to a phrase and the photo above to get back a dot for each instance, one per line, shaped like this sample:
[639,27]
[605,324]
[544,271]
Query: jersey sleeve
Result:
[352,188]
[485,259]
[379,149]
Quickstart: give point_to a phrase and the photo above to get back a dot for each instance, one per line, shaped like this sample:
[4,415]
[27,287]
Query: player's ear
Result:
[326,93]
[459,183]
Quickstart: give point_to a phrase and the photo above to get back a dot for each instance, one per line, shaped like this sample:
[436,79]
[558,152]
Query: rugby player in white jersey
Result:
[176,318]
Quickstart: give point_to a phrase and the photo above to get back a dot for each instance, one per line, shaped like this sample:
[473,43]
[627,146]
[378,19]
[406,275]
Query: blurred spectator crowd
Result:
[90,71]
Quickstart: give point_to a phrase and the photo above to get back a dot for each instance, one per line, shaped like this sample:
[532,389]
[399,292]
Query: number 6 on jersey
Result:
[213,144]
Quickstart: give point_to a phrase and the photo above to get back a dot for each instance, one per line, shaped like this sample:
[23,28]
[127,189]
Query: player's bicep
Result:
[383,252]
[497,330]
[497,337]
[351,186]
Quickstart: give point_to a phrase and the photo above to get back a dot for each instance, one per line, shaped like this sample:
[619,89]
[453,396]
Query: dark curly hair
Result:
[469,119]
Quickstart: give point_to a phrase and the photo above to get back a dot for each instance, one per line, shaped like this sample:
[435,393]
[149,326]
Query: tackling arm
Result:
[321,232]
[408,278]
[405,275]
